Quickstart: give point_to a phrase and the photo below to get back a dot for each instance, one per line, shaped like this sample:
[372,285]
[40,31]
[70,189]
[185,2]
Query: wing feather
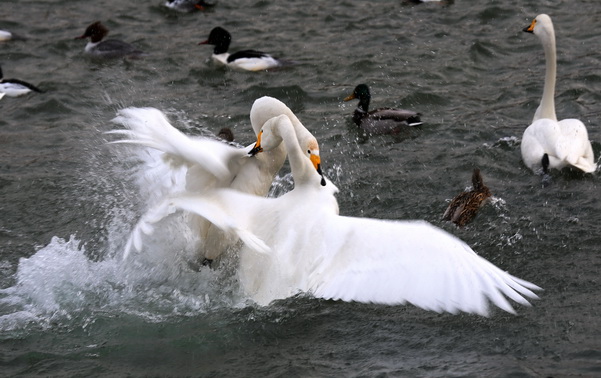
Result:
[149,127]
[394,262]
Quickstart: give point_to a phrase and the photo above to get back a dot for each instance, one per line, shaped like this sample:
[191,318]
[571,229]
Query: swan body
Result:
[246,60]
[298,243]
[15,87]
[547,143]
[213,164]
[464,207]
[109,48]
[381,120]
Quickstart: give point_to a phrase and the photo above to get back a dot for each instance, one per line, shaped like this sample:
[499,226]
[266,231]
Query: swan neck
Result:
[546,108]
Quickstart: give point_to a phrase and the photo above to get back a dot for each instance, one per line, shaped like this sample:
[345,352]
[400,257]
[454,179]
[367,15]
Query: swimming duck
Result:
[16,87]
[382,120]
[188,5]
[249,60]
[5,35]
[464,207]
[547,143]
[110,48]
[226,134]
[298,243]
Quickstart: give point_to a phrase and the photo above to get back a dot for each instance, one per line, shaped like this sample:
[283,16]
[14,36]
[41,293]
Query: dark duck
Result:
[108,48]
[464,207]
[248,60]
[381,120]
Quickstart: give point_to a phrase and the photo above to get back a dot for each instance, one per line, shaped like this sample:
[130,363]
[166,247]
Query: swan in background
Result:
[213,164]
[464,207]
[547,143]
[381,120]
[298,243]
[249,60]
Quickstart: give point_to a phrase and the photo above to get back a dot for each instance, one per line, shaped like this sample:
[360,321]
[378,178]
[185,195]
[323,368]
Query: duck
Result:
[5,35]
[16,87]
[464,207]
[382,120]
[246,60]
[548,143]
[298,243]
[226,134]
[210,163]
[188,5]
[109,48]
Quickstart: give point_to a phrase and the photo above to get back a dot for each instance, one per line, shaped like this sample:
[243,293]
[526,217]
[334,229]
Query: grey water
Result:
[69,305]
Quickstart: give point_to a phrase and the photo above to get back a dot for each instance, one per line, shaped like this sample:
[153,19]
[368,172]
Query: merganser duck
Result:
[110,48]
[381,120]
[188,5]
[249,60]
[548,143]
[15,87]
[464,207]
[5,35]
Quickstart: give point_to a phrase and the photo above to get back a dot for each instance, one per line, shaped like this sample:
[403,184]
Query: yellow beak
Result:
[257,148]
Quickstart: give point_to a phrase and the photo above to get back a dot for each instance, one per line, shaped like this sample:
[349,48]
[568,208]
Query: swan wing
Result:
[394,262]
[576,146]
[150,127]
[208,206]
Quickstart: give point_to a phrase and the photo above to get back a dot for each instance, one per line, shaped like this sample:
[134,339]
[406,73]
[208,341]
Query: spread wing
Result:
[393,262]
[149,127]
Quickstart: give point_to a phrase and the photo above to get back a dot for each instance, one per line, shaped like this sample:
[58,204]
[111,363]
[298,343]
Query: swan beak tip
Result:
[256,149]
[530,28]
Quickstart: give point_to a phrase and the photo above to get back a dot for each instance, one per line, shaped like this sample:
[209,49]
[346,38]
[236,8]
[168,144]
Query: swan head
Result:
[542,27]
[276,129]
[265,108]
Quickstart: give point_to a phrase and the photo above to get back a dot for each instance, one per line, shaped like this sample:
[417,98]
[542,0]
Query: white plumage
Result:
[565,142]
[310,248]
[210,163]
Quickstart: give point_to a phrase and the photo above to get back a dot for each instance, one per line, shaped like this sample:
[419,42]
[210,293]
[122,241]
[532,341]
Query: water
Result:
[70,307]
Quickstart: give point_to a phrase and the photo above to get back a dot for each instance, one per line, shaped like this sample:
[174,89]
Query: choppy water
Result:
[70,307]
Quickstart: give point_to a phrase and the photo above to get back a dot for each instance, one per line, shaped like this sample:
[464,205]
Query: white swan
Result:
[299,243]
[211,163]
[547,143]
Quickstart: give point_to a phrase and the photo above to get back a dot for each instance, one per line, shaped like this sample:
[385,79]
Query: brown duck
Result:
[464,207]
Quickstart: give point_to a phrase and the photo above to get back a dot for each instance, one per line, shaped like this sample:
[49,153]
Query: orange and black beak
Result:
[257,148]
[530,29]
[316,160]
